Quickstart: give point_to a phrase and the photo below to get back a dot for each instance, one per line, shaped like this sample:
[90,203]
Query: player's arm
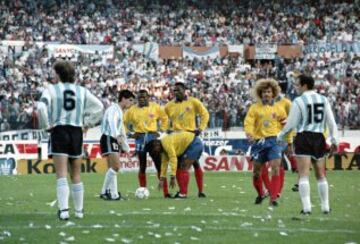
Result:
[93,110]
[164,120]
[170,120]
[292,121]
[43,107]
[170,151]
[127,120]
[164,165]
[203,113]
[331,124]
[249,123]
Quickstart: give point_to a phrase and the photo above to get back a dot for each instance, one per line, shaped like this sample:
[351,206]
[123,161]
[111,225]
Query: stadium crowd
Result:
[223,84]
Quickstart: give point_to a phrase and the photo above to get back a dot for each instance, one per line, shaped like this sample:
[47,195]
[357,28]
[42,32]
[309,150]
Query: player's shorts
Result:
[66,140]
[265,150]
[194,150]
[310,144]
[142,140]
[108,144]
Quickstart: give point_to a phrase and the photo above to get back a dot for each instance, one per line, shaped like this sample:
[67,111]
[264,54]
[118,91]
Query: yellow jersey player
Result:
[262,124]
[143,119]
[179,150]
[183,112]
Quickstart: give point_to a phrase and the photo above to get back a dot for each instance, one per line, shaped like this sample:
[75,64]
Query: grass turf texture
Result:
[227,215]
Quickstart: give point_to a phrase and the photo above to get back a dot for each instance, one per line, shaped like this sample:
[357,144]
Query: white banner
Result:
[69,50]
[212,52]
[236,49]
[265,51]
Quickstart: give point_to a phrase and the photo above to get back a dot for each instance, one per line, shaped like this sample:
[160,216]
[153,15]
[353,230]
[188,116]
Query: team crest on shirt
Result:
[266,123]
[273,115]
[188,109]
[151,115]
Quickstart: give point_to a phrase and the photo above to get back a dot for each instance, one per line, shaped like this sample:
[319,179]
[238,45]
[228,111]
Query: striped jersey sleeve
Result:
[112,123]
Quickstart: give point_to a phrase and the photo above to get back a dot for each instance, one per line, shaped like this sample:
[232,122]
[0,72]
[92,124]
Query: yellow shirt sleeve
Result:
[249,121]
[164,120]
[126,118]
[169,149]
[203,113]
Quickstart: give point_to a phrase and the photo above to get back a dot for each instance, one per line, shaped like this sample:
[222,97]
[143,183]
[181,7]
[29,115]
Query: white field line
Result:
[183,227]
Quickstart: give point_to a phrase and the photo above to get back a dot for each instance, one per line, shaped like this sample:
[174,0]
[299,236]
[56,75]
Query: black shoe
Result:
[274,203]
[63,214]
[201,195]
[168,196]
[327,212]
[180,196]
[302,212]
[295,188]
[106,195]
[259,199]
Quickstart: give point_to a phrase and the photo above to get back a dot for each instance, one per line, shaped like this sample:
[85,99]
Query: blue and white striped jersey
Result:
[113,123]
[311,112]
[68,104]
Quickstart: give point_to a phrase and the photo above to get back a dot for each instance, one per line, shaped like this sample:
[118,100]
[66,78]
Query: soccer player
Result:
[64,110]
[285,103]
[113,141]
[310,114]
[143,119]
[179,150]
[262,124]
[183,112]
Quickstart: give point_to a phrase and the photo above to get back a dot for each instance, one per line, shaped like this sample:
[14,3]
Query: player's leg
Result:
[157,162]
[62,185]
[199,177]
[257,182]
[110,149]
[142,168]
[275,180]
[303,163]
[77,187]
[265,177]
[323,187]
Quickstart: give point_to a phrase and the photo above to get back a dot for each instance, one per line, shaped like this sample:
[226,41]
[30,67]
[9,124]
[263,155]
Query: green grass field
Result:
[227,215]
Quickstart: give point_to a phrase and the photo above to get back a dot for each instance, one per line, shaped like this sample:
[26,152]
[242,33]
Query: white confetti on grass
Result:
[62,234]
[147,209]
[115,235]
[111,212]
[51,204]
[198,229]
[168,234]
[31,224]
[86,231]
[187,209]
[246,224]
[69,223]
[141,237]
[124,240]
[157,236]
[193,238]
[171,208]
[48,227]
[110,239]
[97,226]
[283,233]
[203,221]
[70,238]
[256,234]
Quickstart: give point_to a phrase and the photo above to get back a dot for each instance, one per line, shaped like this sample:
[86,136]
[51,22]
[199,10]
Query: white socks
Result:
[78,196]
[62,192]
[304,190]
[110,182]
[323,189]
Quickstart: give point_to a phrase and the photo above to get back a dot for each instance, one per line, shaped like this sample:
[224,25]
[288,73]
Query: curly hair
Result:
[264,84]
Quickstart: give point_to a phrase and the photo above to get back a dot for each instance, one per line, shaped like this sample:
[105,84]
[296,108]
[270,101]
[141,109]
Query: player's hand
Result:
[333,149]
[172,182]
[289,149]
[197,132]
[161,183]
[250,138]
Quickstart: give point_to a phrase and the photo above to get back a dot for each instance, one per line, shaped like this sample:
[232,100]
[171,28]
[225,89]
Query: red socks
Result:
[293,163]
[199,178]
[142,179]
[275,187]
[165,186]
[182,177]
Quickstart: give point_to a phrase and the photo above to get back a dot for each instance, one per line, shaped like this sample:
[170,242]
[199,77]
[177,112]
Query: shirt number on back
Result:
[69,101]
[315,113]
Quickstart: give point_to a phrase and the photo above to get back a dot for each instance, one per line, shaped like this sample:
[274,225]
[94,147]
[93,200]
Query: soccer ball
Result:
[142,193]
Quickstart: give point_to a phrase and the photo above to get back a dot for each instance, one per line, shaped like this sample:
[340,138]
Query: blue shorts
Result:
[266,150]
[142,140]
[194,150]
